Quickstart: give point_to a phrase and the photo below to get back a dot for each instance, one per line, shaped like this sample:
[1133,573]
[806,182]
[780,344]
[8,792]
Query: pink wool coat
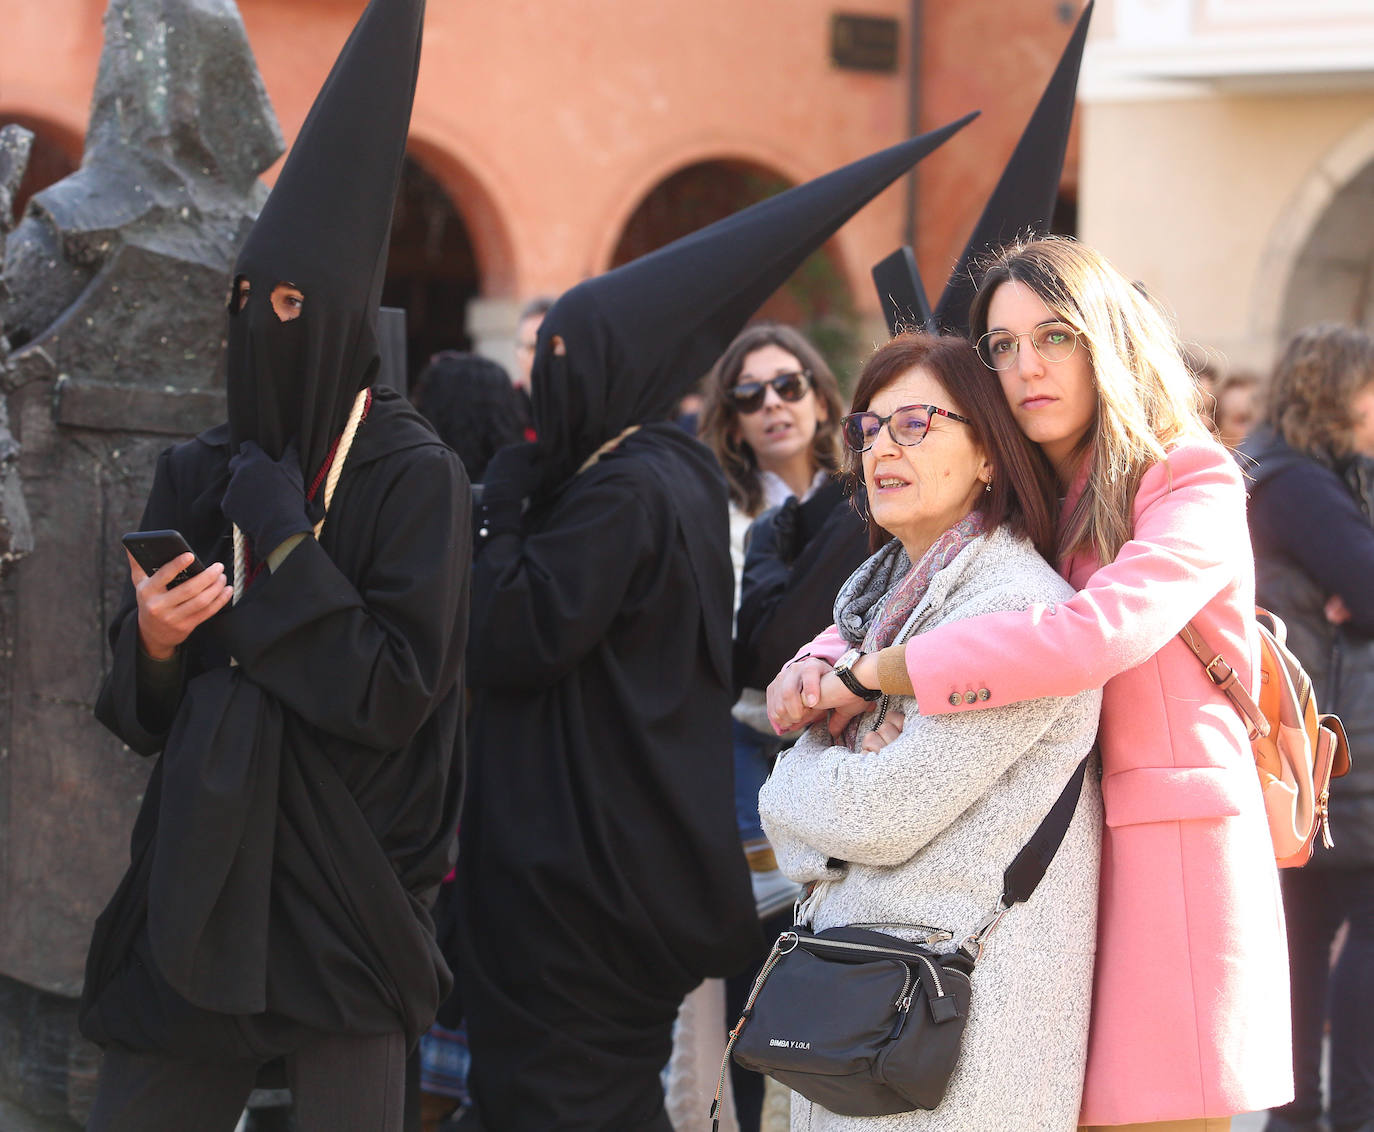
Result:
[1190,1003]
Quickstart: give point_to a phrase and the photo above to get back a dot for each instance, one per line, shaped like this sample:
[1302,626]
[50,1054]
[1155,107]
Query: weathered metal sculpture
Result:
[111,311]
[16,534]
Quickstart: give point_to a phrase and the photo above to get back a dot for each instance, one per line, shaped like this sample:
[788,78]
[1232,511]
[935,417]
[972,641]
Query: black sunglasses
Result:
[747,396]
[907,426]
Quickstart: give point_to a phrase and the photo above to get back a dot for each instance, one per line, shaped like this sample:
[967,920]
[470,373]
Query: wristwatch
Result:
[844,670]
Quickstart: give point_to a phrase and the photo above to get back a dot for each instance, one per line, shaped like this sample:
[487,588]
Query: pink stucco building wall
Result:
[548,121]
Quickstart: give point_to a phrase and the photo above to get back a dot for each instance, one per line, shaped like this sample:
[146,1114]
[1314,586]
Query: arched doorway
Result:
[56,153]
[432,269]
[816,299]
[1333,274]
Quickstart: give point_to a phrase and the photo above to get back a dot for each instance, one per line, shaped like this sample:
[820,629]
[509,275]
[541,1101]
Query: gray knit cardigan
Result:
[919,833]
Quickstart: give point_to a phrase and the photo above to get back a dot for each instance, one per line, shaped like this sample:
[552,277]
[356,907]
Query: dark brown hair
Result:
[720,418]
[1023,491]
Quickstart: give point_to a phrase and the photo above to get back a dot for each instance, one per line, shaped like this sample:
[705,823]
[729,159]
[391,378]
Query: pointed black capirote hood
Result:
[638,336]
[903,295]
[1023,201]
[325,230]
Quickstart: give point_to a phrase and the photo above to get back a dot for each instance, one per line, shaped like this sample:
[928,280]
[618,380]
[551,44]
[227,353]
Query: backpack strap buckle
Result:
[1227,672]
[1224,677]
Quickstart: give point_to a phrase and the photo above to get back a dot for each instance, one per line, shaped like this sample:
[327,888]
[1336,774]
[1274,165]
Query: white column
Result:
[491,326]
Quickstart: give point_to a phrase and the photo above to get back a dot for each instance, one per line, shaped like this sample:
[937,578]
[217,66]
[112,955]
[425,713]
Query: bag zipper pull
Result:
[903,1013]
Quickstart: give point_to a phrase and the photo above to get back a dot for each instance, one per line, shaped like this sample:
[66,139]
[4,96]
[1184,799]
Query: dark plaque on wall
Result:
[864,43]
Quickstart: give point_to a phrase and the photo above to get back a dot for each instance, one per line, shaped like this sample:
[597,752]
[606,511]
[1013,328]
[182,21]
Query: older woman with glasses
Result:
[907,821]
[1190,1022]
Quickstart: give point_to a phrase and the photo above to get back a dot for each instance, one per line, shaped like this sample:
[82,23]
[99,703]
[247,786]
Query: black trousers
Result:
[339,1083]
[1316,903]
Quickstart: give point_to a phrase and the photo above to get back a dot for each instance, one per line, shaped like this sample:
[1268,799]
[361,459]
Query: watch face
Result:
[848,659]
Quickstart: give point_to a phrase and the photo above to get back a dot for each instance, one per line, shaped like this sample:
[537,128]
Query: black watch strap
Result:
[850,681]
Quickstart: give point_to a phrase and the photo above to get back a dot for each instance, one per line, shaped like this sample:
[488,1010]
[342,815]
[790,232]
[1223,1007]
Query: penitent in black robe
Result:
[600,874]
[302,811]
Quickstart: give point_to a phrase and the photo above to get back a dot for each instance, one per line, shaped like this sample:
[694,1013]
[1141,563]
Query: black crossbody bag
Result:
[865,1024]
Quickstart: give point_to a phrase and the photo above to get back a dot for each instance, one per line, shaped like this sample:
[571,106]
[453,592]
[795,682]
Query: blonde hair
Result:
[1146,397]
[1321,370]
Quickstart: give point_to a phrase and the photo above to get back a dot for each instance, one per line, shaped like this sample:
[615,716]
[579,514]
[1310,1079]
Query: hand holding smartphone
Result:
[152,550]
[168,614]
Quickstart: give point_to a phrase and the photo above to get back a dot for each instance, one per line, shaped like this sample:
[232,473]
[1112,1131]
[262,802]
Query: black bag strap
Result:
[1028,869]
[1022,876]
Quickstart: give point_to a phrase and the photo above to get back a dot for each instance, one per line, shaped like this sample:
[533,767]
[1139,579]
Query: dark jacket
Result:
[798,556]
[1310,522]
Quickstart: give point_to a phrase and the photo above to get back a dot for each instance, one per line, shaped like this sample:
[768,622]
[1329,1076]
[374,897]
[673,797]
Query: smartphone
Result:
[152,550]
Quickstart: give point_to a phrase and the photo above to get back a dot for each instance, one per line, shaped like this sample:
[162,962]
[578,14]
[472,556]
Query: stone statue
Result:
[112,321]
[180,130]
[16,533]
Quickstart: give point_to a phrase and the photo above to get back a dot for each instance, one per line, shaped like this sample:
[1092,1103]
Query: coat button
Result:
[970,697]
[955,699]
[984,694]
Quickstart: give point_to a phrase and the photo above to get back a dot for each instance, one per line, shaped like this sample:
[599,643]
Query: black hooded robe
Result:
[301,814]
[600,876]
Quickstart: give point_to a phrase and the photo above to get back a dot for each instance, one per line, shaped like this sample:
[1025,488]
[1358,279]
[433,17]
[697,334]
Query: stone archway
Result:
[816,299]
[432,270]
[484,321]
[1319,262]
[1333,276]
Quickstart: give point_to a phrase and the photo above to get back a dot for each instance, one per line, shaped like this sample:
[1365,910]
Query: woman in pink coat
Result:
[1189,1021]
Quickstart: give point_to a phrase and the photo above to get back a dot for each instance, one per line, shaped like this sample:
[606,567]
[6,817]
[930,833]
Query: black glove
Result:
[266,497]
[513,474]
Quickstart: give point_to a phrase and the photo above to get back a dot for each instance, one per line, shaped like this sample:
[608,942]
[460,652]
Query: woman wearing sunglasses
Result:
[909,819]
[1189,1020]
[772,419]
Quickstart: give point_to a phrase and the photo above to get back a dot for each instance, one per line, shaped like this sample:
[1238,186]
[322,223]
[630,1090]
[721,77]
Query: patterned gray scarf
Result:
[879,597]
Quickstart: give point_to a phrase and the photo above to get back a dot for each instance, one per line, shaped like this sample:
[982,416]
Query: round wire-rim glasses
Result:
[907,426]
[1053,341]
[748,396]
